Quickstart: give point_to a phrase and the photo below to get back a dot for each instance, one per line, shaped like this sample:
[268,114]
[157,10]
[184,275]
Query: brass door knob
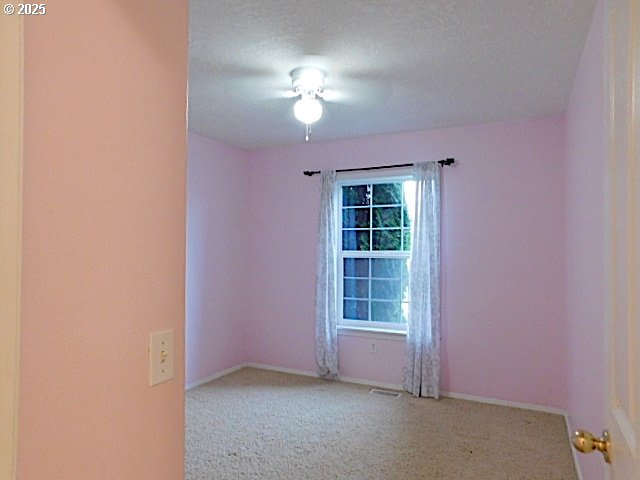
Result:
[585,442]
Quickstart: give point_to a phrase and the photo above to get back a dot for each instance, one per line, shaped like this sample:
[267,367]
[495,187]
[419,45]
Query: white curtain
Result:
[326,307]
[422,353]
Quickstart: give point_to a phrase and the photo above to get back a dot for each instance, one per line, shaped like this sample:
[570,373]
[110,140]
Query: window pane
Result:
[376,217]
[387,193]
[355,240]
[355,310]
[387,217]
[386,289]
[406,217]
[356,195]
[386,239]
[406,245]
[393,312]
[355,217]
[356,288]
[405,291]
[388,267]
[356,267]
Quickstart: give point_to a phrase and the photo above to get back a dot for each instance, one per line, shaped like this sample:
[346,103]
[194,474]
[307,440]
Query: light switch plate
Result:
[161,357]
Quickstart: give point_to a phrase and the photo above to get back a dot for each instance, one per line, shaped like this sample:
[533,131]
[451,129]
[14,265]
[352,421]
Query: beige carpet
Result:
[266,425]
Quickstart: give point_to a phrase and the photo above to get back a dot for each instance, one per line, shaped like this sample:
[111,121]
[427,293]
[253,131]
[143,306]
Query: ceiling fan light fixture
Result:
[308,110]
[308,80]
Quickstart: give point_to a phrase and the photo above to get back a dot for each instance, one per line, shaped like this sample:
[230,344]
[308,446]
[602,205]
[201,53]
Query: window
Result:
[373,259]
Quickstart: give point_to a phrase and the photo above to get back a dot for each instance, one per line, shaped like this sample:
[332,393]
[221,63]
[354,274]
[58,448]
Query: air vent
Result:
[386,393]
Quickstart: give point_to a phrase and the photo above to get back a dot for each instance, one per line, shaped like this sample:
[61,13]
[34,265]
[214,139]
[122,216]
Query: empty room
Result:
[467,269]
[356,239]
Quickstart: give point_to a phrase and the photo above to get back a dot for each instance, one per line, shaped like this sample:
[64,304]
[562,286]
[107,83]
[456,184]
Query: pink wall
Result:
[503,257]
[104,240]
[217,244]
[357,361]
[586,154]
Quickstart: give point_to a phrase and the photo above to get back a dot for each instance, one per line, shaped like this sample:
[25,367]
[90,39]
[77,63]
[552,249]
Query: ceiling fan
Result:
[308,83]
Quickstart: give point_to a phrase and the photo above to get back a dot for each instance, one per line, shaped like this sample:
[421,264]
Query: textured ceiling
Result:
[392,66]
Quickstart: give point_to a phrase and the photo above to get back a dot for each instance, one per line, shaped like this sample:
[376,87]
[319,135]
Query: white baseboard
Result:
[222,373]
[292,371]
[387,386]
[305,373]
[390,386]
[505,403]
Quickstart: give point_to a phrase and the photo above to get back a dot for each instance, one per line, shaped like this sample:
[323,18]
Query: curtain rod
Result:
[447,161]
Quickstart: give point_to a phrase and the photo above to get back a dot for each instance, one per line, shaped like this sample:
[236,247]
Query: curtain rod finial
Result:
[447,161]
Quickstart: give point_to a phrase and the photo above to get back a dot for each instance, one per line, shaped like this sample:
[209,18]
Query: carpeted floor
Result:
[266,425]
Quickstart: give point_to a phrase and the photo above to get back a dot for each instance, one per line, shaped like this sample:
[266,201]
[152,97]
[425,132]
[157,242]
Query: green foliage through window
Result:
[376,217]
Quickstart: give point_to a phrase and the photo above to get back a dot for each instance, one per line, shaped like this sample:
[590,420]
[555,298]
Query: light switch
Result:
[161,357]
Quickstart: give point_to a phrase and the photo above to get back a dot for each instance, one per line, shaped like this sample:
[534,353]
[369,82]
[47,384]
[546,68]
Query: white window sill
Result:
[398,335]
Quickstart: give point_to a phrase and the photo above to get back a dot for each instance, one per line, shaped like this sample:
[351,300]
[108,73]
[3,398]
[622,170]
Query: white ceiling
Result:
[392,66]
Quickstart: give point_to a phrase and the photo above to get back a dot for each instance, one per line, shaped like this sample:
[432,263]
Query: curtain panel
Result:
[326,281]
[422,352]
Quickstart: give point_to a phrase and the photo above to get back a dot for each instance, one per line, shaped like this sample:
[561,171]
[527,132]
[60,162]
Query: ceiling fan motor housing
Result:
[308,81]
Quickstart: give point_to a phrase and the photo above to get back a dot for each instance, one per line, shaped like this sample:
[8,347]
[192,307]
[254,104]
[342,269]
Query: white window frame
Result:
[364,325]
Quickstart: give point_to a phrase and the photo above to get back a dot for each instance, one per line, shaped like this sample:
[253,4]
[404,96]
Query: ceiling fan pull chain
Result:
[308,135]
